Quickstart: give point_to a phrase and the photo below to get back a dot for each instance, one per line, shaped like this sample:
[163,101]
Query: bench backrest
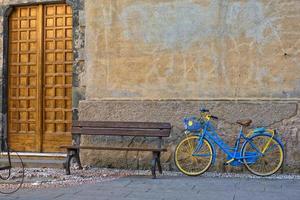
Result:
[147,129]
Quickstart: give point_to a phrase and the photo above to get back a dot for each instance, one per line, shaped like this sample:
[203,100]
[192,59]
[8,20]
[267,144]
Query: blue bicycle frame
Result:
[234,154]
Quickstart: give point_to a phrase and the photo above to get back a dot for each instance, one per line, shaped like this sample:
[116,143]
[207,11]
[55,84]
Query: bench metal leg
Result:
[78,158]
[158,163]
[68,162]
[153,164]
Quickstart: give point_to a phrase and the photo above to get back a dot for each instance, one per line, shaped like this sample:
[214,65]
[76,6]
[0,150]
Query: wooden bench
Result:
[109,128]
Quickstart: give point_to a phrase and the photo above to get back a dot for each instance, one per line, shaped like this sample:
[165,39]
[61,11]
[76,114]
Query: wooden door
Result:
[40,78]
[58,59]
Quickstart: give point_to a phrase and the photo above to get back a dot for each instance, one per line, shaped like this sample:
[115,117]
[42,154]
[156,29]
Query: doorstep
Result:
[38,160]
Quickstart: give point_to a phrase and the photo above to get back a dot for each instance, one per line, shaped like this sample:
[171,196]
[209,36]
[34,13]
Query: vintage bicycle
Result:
[261,150]
[11,169]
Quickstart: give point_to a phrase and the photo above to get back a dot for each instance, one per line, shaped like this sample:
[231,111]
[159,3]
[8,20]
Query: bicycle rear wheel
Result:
[265,155]
[11,175]
[190,162]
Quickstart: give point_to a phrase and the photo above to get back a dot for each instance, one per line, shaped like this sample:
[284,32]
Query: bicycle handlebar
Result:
[204,110]
[214,117]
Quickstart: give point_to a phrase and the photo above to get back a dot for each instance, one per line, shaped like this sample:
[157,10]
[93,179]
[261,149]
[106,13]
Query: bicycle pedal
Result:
[228,162]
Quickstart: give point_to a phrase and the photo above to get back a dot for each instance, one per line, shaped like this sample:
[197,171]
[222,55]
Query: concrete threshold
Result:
[37,160]
[62,155]
[41,161]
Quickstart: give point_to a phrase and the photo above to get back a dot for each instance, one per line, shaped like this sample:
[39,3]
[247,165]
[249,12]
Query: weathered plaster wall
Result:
[192,49]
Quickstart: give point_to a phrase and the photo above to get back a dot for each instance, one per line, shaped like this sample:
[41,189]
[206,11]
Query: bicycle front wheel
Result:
[192,161]
[263,155]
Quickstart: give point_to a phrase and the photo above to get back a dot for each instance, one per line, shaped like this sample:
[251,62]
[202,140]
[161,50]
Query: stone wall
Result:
[282,115]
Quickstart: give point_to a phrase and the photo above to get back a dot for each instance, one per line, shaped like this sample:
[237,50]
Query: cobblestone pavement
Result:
[170,187]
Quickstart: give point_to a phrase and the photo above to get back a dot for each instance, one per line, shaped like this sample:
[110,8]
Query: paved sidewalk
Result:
[171,187]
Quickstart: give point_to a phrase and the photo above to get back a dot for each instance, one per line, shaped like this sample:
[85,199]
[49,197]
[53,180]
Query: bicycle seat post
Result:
[241,128]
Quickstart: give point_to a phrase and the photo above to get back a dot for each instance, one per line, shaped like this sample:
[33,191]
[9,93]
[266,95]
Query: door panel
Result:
[40,78]
[58,58]
[23,103]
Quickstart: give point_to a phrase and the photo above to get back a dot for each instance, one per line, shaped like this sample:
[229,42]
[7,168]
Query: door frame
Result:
[6,11]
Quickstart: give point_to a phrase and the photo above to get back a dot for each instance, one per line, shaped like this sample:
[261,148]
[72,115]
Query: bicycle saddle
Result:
[244,122]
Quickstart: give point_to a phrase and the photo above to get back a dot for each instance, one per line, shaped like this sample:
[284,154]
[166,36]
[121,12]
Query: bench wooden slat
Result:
[115,148]
[117,124]
[121,132]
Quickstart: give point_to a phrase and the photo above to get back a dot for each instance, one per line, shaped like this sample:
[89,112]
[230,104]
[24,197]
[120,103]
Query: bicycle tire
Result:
[12,179]
[199,168]
[268,163]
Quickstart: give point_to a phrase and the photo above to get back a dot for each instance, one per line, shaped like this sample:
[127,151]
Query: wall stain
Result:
[180,24]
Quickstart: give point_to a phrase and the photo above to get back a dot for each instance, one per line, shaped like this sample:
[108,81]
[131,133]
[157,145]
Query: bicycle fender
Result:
[259,130]
[275,136]
[256,131]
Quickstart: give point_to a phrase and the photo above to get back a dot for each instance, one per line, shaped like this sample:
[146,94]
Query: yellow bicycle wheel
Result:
[190,162]
[272,155]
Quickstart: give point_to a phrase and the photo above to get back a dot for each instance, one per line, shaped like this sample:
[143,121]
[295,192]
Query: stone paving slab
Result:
[170,187]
